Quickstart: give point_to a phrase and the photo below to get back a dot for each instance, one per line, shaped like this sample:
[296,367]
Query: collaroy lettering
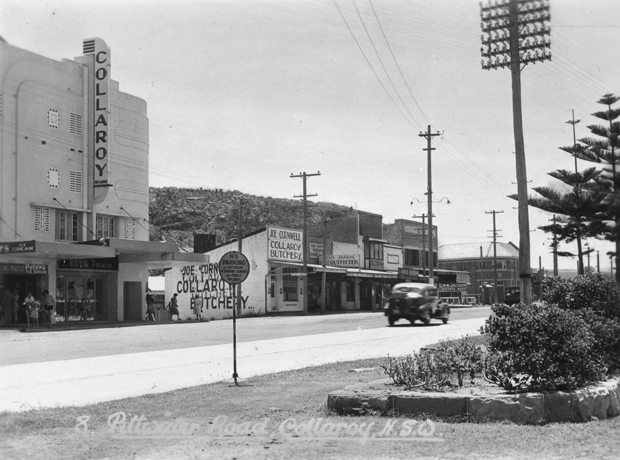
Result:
[101,85]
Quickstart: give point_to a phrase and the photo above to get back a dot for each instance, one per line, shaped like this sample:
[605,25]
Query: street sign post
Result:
[234,269]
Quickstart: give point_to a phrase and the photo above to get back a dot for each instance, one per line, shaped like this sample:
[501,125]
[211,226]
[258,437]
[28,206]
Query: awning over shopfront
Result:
[314,268]
[128,251]
[364,273]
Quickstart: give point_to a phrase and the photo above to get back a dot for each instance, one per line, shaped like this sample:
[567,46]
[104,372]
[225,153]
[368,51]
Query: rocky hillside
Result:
[175,214]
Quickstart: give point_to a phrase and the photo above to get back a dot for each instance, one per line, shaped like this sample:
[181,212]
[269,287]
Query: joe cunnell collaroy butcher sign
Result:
[284,244]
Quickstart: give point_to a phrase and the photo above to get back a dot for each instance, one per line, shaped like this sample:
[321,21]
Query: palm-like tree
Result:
[604,150]
[581,211]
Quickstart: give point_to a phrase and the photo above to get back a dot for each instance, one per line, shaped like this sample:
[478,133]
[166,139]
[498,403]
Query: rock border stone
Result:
[599,401]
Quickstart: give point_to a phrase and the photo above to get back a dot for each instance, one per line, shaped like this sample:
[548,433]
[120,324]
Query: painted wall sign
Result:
[17,246]
[316,249]
[408,272]
[12,268]
[206,282]
[462,278]
[36,269]
[101,110]
[344,260]
[284,244]
[106,263]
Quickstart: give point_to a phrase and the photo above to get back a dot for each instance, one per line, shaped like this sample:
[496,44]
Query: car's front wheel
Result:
[426,321]
[445,320]
[391,320]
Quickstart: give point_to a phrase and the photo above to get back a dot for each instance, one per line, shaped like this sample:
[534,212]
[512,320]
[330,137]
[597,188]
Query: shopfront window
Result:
[79,298]
[350,287]
[289,284]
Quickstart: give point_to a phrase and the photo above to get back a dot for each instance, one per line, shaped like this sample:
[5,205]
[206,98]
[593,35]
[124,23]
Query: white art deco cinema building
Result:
[74,190]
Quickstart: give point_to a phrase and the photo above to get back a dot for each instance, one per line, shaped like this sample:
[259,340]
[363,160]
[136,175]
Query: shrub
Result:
[584,291]
[434,370]
[417,371]
[539,348]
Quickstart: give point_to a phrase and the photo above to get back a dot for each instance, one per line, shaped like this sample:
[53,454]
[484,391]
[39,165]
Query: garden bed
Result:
[595,402]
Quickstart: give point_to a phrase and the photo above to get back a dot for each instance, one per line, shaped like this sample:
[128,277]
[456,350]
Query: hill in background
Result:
[175,214]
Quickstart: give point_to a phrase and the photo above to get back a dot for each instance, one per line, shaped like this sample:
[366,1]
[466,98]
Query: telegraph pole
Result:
[305,196]
[423,217]
[429,192]
[494,253]
[515,33]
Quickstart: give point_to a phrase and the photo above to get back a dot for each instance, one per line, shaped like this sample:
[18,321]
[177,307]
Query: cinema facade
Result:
[74,192]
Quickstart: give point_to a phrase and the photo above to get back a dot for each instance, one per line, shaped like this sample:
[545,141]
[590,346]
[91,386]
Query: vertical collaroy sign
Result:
[101,109]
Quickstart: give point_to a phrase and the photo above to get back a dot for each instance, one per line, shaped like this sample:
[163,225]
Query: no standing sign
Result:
[234,267]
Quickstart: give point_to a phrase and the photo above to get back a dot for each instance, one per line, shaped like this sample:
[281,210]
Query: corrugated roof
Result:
[472,250]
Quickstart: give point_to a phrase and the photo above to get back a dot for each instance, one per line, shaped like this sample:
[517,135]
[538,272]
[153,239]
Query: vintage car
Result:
[413,301]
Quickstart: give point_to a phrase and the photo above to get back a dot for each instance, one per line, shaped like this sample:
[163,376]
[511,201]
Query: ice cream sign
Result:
[284,244]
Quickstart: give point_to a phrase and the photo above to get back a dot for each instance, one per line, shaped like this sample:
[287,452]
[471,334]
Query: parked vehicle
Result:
[513,295]
[413,301]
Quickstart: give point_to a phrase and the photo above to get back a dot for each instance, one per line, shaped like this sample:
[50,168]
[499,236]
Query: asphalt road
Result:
[52,345]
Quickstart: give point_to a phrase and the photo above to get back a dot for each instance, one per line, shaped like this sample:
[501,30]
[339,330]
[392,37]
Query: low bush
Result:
[585,291]
[540,348]
[435,370]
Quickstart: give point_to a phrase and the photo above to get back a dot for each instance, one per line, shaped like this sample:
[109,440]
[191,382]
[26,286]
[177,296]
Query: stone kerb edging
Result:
[596,402]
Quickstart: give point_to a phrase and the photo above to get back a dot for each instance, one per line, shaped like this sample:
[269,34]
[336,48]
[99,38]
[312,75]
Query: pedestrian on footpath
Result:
[34,313]
[174,307]
[15,309]
[197,306]
[49,305]
[6,307]
[150,308]
[28,307]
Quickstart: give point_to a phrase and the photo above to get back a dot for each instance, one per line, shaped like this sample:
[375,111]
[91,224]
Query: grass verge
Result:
[296,399]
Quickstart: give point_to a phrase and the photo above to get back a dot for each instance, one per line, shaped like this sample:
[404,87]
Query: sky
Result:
[242,94]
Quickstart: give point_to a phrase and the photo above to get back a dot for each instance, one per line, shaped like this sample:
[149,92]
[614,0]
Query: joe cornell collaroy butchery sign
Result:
[284,244]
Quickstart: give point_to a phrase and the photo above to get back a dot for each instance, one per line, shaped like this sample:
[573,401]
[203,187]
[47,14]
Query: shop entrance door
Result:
[79,298]
[132,301]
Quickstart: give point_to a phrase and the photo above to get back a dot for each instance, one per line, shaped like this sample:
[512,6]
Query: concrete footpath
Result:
[84,381]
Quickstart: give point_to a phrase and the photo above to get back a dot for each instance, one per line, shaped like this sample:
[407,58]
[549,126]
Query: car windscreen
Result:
[407,289]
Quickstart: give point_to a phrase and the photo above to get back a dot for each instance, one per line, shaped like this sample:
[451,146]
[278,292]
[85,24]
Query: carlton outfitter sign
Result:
[101,118]
[234,267]
[284,244]
[344,260]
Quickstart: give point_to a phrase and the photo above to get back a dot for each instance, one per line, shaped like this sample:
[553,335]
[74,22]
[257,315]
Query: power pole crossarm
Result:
[305,196]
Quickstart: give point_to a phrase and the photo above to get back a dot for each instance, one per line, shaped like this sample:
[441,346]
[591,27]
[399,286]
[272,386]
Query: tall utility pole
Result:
[429,192]
[423,217]
[305,196]
[494,253]
[515,33]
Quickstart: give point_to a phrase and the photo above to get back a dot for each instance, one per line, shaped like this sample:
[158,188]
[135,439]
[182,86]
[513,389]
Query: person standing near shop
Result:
[28,306]
[15,309]
[197,306]
[6,305]
[150,308]
[49,305]
[174,307]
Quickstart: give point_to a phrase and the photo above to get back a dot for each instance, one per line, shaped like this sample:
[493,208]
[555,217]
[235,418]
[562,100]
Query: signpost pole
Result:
[235,375]
[234,269]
